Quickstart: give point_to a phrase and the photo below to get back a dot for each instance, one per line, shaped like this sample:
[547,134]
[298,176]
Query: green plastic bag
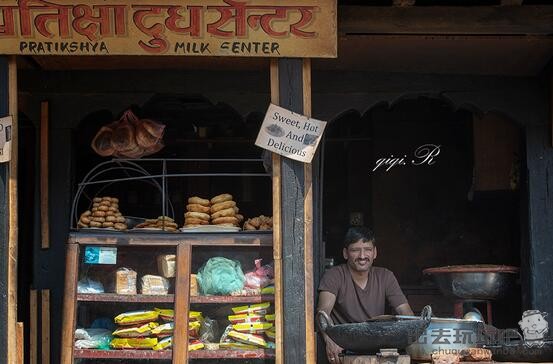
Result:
[220,276]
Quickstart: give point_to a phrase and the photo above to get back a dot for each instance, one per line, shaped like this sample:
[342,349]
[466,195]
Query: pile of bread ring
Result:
[103,214]
[162,222]
[259,223]
[221,210]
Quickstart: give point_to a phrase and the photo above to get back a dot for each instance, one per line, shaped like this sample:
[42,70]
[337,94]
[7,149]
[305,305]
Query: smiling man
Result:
[357,291]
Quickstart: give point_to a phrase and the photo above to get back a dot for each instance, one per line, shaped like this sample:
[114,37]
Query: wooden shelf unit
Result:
[183,242]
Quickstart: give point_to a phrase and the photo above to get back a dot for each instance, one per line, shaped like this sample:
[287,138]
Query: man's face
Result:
[360,255]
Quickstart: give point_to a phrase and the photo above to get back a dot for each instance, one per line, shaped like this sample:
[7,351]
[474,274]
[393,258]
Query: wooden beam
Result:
[182,303]
[277,223]
[310,348]
[290,73]
[44,190]
[496,20]
[69,303]
[4,212]
[404,2]
[13,222]
[33,323]
[20,343]
[511,2]
[45,326]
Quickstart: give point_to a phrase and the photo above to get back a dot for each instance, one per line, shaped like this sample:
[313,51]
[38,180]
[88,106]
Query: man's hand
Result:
[333,351]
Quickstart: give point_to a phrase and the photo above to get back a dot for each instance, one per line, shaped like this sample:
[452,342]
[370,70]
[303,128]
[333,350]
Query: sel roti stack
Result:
[197,212]
[104,214]
[224,211]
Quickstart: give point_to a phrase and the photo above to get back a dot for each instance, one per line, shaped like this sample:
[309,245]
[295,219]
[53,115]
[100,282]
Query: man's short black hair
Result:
[356,233]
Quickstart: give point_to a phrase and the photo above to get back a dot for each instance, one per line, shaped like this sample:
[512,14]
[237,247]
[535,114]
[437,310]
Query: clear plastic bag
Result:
[209,331]
[87,285]
[92,339]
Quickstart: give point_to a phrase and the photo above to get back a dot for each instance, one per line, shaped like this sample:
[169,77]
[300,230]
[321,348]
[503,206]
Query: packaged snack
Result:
[268,290]
[250,339]
[165,329]
[194,329]
[125,281]
[209,331]
[252,327]
[195,345]
[134,343]
[154,285]
[166,265]
[136,331]
[165,343]
[258,308]
[194,291]
[167,314]
[242,318]
[136,317]
[261,276]
[270,317]
[92,338]
[271,334]
[236,346]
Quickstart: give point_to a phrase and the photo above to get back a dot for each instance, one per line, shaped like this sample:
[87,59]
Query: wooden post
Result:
[33,323]
[310,350]
[20,343]
[277,237]
[182,303]
[45,326]
[69,303]
[4,111]
[44,217]
[296,232]
[12,223]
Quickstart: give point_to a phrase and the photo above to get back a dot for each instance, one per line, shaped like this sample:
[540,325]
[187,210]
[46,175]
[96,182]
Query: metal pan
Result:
[371,336]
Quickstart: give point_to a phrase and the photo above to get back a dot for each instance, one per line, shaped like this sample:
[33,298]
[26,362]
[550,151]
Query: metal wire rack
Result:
[132,170]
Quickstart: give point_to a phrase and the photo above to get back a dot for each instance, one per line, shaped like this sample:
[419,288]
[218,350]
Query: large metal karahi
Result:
[382,332]
[474,282]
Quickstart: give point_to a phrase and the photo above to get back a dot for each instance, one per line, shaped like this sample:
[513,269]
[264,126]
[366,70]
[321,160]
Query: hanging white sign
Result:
[5,138]
[289,134]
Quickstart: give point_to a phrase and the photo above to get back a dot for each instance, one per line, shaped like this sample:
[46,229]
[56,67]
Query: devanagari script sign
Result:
[248,28]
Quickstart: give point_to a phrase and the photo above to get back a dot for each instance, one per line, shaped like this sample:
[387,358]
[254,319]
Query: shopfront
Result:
[402,80]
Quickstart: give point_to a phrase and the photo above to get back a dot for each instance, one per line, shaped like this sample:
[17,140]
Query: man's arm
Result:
[404,309]
[326,303]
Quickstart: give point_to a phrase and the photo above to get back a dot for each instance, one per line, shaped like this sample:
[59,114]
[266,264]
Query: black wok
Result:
[382,332]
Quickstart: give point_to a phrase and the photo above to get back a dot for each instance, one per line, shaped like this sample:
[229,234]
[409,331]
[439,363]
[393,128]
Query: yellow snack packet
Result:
[164,343]
[251,339]
[252,327]
[133,343]
[136,331]
[258,308]
[136,317]
[237,319]
[195,345]
[268,290]
[167,314]
[237,346]
[270,317]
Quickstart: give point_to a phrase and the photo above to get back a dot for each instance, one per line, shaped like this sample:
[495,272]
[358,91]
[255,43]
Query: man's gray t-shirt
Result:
[355,304]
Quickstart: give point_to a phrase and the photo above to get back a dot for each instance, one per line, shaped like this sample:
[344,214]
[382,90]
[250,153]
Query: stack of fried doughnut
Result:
[259,223]
[224,211]
[162,222]
[103,214]
[197,212]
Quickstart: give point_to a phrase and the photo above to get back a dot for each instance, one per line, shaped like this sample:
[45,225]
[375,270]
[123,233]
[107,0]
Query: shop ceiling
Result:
[404,37]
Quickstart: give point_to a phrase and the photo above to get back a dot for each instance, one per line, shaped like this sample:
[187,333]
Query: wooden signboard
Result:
[249,28]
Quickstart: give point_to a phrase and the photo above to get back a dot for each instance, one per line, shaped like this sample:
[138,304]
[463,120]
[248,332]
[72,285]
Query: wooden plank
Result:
[481,20]
[4,212]
[232,354]
[310,349]
[69,303]
[20,343]
[45,324]
[123,354]
[182,303]
[277,241]
[292,223]
[44,190]
[135,298]
[232,299]
[12,208]
[33,323]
